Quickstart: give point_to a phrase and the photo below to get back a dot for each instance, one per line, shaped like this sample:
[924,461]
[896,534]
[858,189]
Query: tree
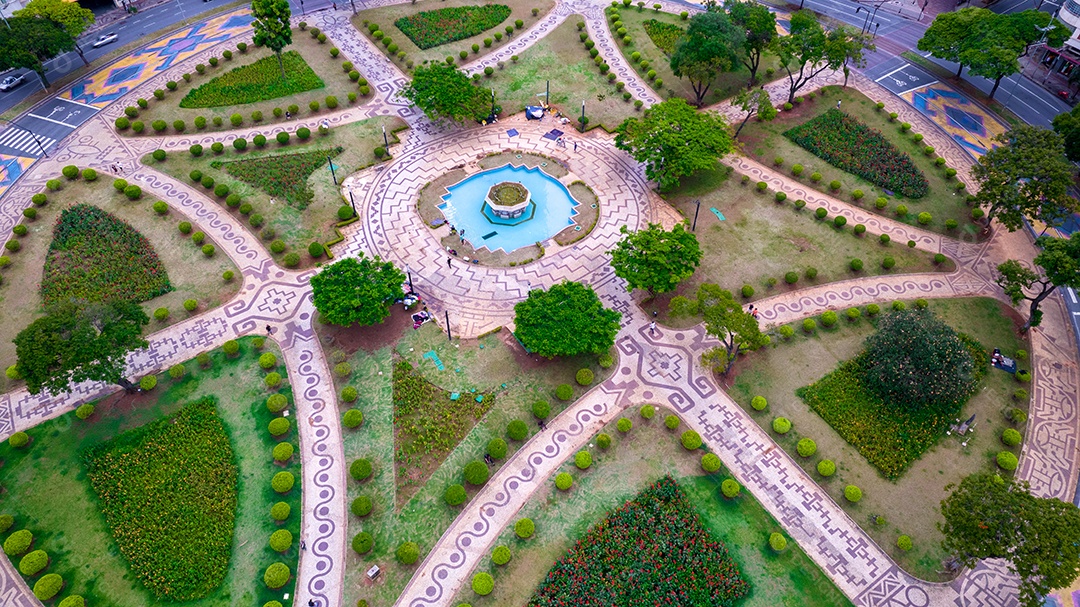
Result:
[1067,124]
[1059,266]
[754,102]
[809,50]
[72,344]
[272,27]
[950,32]
[68,15]
[725,320]
[992,51]
[987,516]
[708,48]
[759,26]
[1032,26]
[28,42]
[357,290]
[443,91]
[1027,176]
[565,320]
[655,259]
[674,140]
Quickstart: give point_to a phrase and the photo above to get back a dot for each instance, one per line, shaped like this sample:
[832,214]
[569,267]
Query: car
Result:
[105,39]
[11,82]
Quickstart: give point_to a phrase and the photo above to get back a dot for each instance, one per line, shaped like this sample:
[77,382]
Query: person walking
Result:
[652,327]
[448,262]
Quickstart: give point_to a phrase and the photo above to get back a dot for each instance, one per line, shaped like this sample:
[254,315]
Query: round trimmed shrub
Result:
[6,521]
[84,411]
[759,403]
[276,403]
[148,382]
[281,540]
[283,452]
[671,422]
[349,394]
[583,460]
[781,425]
[345,212]
[524,528]
[584,377]
[279,426]
[624,425]
[280,511]
[259,140]
[282,138]
[291,260]
[1007,461]
[859,229]
[856,265]
[122,123]
[18,542]
[315,249]
[541,409]
[806,447]
[564,392]
[177,371]
[40,198]
[159,125]
[303,132]
[501,555]
[826,468]
[19,439]
[277,247]
[363,542]
[828,318]
[497,448]
[839,221]
[361,469]
[267,360]
[455,495]
[276,576]
[353,418]
[72,172]
[483,583]
[517,430]
[161,208]
[747,291]
[924,218]
[834,185]
[904,543]
[563,481]
[791,278]
[690,440]
[647,411]
[48,586]
[362,505]
[777,542]
[853,494]
[133,192]
[1011,437]
[821,213]
[710,462]
[73,600]
[603,440]
[407,553]
[476,473]
[730,488]
[31,564]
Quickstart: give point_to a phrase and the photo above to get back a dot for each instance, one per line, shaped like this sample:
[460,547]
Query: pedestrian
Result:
[755,313]
[269,330]
[654,313]
[288,115]
[303,546]
[311,603]
[838,103]
[652,327]
[335,5]
[448,262]
[575,147]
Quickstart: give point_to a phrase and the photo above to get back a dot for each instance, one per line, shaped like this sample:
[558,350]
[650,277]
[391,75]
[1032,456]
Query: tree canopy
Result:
[915,361]
[565,320]
[272,27]
[674,140]
[1067,124]
[655,259]
[72,344]
[987,516]
[759,25]
[68,15]
[708,47]
[810,50]
[28,42]
[1027,176]
[443,91]
[1057,265]
[725,320]
[753,102]
[950,32]
[357,290]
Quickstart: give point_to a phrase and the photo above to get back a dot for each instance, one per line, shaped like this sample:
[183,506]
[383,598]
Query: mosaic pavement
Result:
[11,168]
[659,368]
[969,124]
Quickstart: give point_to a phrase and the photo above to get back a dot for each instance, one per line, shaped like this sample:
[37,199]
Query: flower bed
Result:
[663,35]
[168,491]
[432,28]
[851,146]
[257,81]
[282,175]
[651,551]
[96,256]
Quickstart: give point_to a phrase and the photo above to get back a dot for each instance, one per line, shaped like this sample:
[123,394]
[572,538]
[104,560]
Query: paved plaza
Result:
[663,368]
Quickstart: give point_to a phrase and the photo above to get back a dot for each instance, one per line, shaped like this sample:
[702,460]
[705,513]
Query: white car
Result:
[105,39]
[11,82]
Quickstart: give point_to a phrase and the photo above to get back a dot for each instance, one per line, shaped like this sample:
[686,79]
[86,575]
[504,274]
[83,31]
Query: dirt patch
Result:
[527,362]
[368,338]
[125,402]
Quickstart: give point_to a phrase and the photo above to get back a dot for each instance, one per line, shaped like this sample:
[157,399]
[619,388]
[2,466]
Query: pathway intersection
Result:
[662,368]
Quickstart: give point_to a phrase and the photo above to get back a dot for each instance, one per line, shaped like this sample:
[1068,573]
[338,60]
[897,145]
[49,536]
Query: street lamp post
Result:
[352,202]
[32,134]
[582,115]
[408,272]
[876,25]
[492,103]
[386,144]
[869,16]
[693,228]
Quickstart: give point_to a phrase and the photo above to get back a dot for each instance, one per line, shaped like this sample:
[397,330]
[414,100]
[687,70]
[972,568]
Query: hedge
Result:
[31,564]
[48,586]
[19,542]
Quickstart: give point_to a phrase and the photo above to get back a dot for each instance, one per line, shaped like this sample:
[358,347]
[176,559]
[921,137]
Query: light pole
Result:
[869,16]
[582,115]
[386,144]
[876,25]
[32,134]
[408,272]
[493,103]
[352,202]
[693,228]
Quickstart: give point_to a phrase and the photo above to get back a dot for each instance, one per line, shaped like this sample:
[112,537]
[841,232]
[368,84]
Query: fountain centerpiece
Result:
[508,199]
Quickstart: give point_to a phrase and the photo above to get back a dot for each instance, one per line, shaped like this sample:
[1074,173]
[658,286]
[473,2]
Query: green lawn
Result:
[910,504]
[73,531]
[634,461]
[764,141]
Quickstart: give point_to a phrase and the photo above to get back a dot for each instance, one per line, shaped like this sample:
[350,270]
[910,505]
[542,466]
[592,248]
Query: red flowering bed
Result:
[652,551]
[432,28]
[96,256]
[851,146]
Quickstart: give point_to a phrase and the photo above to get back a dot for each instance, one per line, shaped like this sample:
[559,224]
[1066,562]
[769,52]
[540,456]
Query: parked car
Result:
[105,39]
[11,82]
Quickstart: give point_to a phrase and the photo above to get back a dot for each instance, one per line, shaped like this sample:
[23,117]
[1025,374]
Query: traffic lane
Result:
[1030,101]
[848,12]
[905,78]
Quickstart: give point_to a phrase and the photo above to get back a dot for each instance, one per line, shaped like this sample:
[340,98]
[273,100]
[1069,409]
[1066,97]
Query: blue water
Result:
[553,209]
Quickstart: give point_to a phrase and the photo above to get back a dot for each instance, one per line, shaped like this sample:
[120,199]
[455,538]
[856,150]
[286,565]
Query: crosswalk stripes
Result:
[23,141]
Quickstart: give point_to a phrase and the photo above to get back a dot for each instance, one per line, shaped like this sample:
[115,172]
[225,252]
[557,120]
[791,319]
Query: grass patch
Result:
[282,175]
[663,35]
[168,492]
[629,558]
[94,256]
[429,29]
[257,81]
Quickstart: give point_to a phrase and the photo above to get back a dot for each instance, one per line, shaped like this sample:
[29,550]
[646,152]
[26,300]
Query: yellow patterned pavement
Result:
[967,123]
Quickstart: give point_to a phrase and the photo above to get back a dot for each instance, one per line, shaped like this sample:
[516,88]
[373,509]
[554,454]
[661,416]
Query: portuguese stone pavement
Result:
[660,368]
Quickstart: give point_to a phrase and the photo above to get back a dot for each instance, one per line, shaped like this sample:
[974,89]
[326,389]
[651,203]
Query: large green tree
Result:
[68,15]
[565,320]
[1057,265]
[993,51]
[443,91]
[951,32]
[358,290]
[987,516]
[1026,176]
[753,102]
[73,344]
[674,140]
[656,259]
[272,27]
[1067,124]
[709,47]
[759,26]
[28,42]
[809,50]
[725,320]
